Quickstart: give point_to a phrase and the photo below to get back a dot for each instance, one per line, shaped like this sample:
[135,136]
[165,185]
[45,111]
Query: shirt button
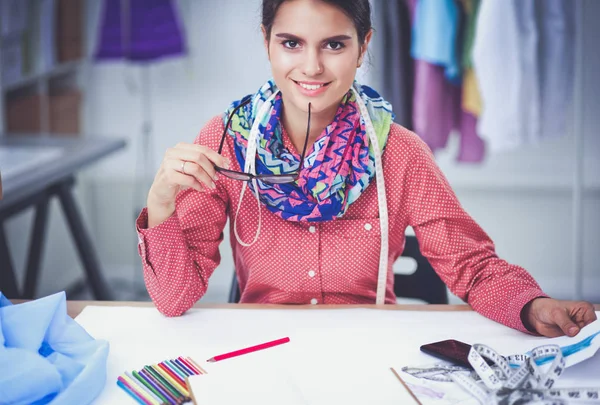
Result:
[314,301]
[368,227]
[311,273]
[312,229]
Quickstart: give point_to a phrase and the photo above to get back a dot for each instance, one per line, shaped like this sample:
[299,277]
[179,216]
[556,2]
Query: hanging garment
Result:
[504,55]
[436,105]
[557,56]
[472,147]
[435,33]
[471,99]
[524,67]
[140,30]
[392,19]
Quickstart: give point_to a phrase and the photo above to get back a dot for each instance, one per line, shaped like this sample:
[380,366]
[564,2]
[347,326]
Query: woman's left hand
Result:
[552,318]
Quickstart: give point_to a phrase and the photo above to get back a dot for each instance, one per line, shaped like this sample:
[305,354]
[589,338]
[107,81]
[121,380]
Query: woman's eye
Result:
[290,44]
[336,46]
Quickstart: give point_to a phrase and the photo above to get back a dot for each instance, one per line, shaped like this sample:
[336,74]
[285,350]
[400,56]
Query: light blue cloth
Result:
[434,35]
[46,357]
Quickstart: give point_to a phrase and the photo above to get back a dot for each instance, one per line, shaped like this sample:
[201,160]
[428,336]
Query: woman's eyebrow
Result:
[296,38]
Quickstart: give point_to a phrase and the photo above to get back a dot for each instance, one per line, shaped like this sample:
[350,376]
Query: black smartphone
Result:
[450,350]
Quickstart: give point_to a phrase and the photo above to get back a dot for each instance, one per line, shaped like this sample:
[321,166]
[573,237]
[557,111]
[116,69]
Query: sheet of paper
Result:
[581,347]
[335,355]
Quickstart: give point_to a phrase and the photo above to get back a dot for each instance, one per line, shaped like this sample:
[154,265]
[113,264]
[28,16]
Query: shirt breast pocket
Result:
[353,248]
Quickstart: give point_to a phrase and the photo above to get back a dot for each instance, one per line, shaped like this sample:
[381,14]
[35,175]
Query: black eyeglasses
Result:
[266,178]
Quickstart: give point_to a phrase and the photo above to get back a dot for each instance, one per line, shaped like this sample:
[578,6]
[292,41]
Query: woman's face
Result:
[314,53]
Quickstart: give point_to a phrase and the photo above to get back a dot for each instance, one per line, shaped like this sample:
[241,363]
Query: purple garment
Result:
[143,31]
[437,111]
[436,105]
[472,147]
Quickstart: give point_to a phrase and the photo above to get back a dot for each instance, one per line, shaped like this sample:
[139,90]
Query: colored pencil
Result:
[164,382]
[143,389]
[172,398]
[180,383]
[188,362]
[133,389]
[182,366]
[406,386]
[131,393]
[170,379]
[179,366]
[181,373]
[157,395]
[195,364]
[176,374]
[247,350]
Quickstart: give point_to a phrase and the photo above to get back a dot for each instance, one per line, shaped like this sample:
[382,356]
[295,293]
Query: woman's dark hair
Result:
[359,12]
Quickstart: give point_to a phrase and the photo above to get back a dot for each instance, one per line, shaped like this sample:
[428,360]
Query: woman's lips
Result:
[311,89]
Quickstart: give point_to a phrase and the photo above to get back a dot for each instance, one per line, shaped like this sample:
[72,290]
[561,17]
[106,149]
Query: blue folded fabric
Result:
[46,357]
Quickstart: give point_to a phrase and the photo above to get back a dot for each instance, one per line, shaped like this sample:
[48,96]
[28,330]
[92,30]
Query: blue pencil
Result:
[131,393]
[175,366]
[183,366]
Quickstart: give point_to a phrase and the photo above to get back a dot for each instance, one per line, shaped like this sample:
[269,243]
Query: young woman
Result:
[336,185]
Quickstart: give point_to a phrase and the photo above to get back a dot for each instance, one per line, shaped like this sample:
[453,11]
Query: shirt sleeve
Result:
[459,250]
[179,255]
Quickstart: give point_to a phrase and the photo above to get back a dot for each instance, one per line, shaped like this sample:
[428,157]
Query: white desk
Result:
[347,349]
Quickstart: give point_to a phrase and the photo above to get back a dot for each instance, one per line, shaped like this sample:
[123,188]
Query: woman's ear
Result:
[364,47]
[265,39]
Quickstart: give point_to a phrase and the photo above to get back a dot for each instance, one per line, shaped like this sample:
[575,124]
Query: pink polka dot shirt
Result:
[332,262]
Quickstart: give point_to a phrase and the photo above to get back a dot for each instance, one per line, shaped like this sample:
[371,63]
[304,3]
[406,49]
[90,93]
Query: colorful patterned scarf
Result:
[336,170]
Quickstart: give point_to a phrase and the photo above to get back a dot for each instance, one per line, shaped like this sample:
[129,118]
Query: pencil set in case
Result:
[162,383]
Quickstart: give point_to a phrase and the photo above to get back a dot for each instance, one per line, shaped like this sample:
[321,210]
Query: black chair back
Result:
[424,283]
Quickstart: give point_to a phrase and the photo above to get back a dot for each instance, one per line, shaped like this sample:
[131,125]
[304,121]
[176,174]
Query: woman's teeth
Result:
[311,86]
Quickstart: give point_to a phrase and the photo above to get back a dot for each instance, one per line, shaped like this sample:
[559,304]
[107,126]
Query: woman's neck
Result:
[295,121]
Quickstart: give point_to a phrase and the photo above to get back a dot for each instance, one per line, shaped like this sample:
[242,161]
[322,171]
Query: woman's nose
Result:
[313,65]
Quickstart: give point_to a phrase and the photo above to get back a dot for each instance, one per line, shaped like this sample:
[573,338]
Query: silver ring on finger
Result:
[183,166]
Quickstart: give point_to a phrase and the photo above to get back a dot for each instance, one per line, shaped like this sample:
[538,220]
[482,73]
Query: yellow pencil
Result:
[170,379]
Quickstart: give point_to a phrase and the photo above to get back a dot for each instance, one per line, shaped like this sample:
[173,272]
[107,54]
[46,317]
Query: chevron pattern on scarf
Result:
[337,168]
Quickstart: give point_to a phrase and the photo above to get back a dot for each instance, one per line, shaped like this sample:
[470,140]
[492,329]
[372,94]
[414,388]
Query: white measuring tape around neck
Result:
[512,380]
[250,167]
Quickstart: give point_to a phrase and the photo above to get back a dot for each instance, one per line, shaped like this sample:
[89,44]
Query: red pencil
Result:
[249,350]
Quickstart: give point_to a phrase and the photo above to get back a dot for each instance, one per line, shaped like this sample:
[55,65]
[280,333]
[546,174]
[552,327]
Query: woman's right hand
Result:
[185,165]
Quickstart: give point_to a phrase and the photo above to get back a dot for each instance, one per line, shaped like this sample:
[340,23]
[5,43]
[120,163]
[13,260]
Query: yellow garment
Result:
[468,6]
[471,98]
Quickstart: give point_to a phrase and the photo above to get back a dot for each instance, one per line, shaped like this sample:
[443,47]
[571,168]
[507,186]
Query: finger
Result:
[560,317]
[582,313]
[192,170]
[183,180]
[208,167]
[192,152]
[589,314]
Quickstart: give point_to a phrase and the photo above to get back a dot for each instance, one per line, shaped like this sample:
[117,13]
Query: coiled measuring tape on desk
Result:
[512,380]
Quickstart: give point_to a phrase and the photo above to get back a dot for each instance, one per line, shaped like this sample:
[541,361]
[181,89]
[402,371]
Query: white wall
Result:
[521,198]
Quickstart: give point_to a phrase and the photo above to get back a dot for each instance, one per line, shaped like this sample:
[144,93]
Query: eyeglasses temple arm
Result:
[305,140]
[229,122]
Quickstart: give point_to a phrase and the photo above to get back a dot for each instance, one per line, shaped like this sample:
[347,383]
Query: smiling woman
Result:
[314,50]
[336,183]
